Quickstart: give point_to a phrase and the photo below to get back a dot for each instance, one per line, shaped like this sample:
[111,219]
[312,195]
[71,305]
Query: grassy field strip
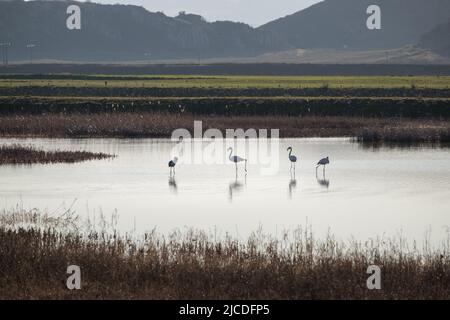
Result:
[230,82]
[153,98]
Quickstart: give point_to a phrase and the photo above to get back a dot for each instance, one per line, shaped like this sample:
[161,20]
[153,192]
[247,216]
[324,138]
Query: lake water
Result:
[365,192]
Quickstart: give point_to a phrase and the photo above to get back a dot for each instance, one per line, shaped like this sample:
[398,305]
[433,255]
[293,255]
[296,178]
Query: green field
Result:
[154,106]
[368,96]
[232,82]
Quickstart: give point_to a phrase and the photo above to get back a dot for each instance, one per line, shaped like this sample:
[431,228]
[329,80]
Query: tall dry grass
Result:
[18,154]
[196,265]
[407,133]
[156,124]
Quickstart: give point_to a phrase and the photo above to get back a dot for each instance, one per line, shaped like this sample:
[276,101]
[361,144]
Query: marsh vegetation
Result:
[19,154]
[36,249]
[415,97]
[161,124]
[370,109]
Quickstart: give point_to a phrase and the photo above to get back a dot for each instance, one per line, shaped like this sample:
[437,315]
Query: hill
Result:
[341,24]
[123,32]
[438,39]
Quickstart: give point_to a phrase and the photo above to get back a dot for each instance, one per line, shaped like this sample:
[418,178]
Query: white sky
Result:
[253,12]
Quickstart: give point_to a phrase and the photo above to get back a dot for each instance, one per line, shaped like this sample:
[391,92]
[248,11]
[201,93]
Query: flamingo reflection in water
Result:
[236,186]
[173,184]
[292,184]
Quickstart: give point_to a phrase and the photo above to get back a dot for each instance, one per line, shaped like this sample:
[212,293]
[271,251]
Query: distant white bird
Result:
[172,164]
[236,159]
[292,158]
[323,162]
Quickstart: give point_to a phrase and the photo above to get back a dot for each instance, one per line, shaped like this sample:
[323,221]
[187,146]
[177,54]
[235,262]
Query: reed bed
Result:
[192,264]
[407,133]
[159,124]
[18,154]
[188,89]
[271,106]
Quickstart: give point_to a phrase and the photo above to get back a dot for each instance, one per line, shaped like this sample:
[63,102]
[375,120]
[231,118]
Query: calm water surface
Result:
[365,193]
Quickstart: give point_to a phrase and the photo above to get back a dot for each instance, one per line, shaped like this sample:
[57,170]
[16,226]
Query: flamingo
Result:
[236,159]
[172,164]
[323,162]
[292,158]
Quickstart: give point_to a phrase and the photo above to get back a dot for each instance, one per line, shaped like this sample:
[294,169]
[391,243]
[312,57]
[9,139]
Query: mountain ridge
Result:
[341,24]
[117,32]
[132,33]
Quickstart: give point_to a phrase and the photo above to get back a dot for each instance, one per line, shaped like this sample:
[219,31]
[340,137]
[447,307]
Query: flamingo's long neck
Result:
[231,152]
[290,152]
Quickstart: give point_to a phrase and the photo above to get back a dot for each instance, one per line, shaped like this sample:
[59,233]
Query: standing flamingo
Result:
[172,164]
[292,158]
[323,162]
[236,159]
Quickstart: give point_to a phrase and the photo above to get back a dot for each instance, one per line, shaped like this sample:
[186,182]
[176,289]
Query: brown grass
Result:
[155,124]
[407,133]
[194,265]
[17,154]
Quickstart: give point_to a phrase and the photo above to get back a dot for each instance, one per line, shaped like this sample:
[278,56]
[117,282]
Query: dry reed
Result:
[195,265]
[155,124]
[17,154]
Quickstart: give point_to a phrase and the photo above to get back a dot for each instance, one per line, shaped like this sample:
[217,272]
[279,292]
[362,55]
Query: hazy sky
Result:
[253,12]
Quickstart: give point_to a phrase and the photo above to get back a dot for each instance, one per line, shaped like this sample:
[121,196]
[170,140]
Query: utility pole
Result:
[147,57]
[30,47]
[5,46]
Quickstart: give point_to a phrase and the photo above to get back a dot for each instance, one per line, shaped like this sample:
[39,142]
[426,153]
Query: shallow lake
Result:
[363,194]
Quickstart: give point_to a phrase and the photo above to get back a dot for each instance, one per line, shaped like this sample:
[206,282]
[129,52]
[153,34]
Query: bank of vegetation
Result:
[18,154]
[161,125]
[369,109]
[36,249]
